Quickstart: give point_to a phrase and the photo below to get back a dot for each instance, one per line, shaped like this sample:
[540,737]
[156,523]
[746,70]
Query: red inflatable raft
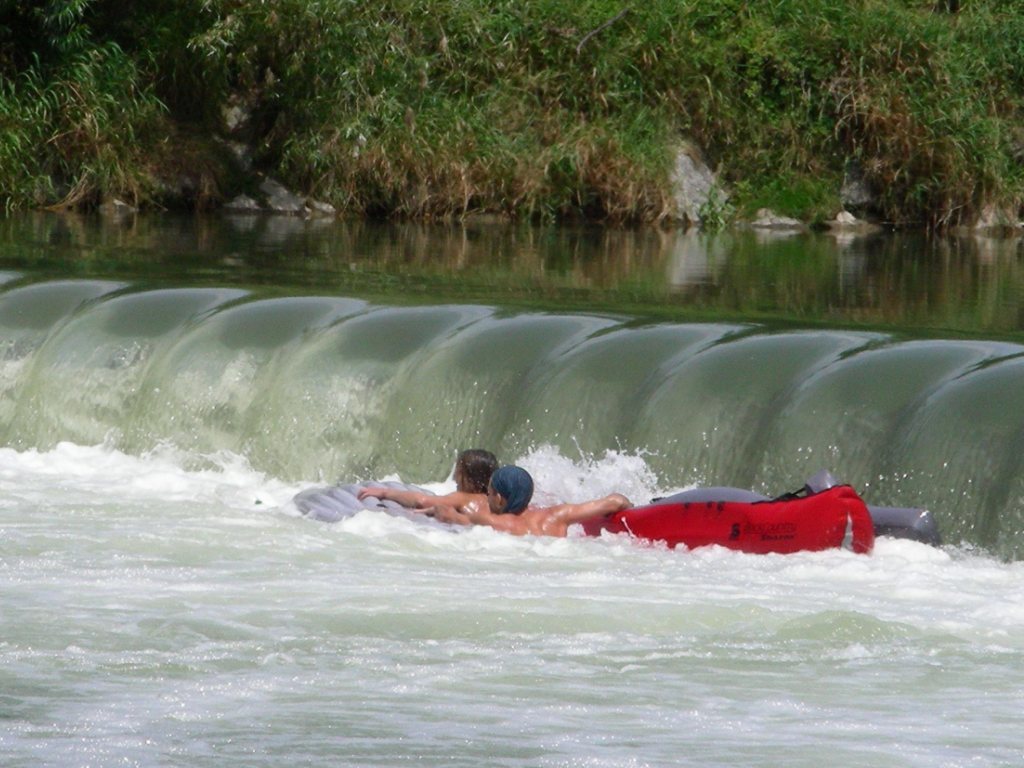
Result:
[834,517]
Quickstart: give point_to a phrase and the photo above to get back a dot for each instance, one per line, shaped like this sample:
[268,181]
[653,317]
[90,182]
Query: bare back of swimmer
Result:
[508,508]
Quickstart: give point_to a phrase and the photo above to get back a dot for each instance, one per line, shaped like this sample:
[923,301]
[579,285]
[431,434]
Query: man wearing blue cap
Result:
[508,508]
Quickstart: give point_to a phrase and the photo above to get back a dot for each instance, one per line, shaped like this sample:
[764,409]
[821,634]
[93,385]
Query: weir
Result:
[324,389]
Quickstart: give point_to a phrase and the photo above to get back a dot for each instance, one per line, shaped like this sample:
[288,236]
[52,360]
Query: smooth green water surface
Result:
[955,285]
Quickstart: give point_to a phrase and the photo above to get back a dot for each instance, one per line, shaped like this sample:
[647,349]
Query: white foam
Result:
[177,594]
[166,473]
[560,478]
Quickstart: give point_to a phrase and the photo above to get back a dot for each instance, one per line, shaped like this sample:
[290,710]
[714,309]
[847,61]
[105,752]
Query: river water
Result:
[168,385]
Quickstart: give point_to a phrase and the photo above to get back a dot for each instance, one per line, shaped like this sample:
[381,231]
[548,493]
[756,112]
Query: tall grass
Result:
[532,108]
[76,120]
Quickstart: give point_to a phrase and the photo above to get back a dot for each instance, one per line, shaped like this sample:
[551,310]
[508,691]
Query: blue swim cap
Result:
[516,487]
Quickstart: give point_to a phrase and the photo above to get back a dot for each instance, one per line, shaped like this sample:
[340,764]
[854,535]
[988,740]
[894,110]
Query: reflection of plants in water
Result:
[967,285]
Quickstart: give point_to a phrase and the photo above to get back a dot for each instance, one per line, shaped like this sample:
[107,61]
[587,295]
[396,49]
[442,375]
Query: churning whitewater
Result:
[173,608]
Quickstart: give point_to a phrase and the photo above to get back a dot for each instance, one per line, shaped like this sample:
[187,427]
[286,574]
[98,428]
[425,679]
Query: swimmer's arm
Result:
[567,514]
[419,499]
[458,499]
[478,514]
[447,514]
[410,499]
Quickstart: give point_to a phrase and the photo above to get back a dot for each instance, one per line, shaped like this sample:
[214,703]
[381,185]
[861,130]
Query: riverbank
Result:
[907,113]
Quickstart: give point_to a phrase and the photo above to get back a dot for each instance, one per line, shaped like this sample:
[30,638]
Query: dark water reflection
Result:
[970,285]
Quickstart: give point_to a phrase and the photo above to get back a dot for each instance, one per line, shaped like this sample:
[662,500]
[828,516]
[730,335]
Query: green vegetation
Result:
[532,108]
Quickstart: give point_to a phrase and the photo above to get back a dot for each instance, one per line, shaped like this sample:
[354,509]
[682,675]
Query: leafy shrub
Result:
[541,108]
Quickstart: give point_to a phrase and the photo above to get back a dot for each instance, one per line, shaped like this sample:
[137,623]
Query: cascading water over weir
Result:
[321,389]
